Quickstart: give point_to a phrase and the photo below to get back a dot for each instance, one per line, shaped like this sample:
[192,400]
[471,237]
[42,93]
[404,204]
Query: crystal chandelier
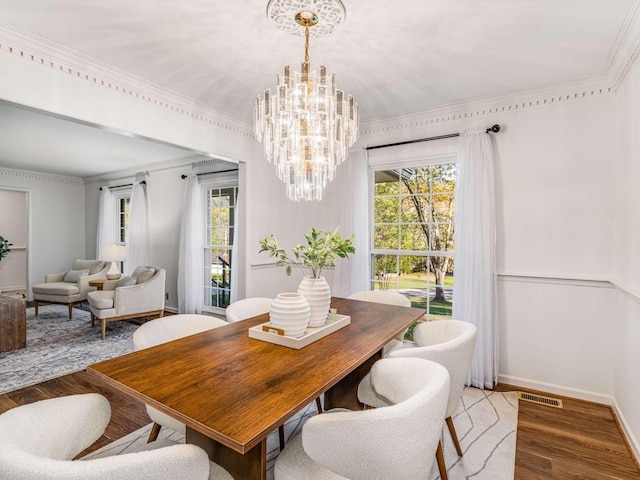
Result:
[306,124]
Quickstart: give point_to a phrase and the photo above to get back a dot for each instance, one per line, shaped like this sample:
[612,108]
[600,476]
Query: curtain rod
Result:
[144,182]
[494,129]
[211,173]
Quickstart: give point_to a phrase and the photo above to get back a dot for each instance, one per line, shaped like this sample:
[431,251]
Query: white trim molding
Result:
[46,177]
[48,54]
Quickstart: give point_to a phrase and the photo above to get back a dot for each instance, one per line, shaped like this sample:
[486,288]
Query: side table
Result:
[13,324]
[98,283]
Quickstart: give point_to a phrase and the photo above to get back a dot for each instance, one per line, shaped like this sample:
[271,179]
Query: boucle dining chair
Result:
[163,330]
[447,342]
[390,443]
[388,297]
[247,308]
[251,307]
[39,441]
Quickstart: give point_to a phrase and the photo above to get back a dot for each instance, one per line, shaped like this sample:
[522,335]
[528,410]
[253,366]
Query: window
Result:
[122,200]
[220,203]
[123,209]
[412,237]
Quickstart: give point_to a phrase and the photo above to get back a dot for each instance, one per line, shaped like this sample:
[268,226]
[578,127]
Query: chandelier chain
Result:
[306,44]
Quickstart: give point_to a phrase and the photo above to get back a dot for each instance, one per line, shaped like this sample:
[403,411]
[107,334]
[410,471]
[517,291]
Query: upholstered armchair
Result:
[138,295]
[395,442]
[40,440]
[71,286]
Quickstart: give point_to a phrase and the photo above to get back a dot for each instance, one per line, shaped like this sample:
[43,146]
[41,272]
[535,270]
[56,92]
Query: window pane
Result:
[443,177]
[384,271]
[415,208]
[414,237]
[385,210]
[385,237]
[443,207]
[386,183]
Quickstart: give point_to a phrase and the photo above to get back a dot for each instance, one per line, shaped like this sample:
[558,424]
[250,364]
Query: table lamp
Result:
[113,254]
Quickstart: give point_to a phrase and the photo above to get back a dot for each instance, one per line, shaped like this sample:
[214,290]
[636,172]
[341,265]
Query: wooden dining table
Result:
[231,391]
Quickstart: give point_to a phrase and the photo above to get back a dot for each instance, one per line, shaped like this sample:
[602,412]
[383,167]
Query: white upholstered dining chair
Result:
[247,308]
[163,330]
[390,443]
[39,441]
[388,297]
[447,342]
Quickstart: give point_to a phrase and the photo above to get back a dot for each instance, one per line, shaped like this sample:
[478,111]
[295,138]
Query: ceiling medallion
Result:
[306,123]
[331,12]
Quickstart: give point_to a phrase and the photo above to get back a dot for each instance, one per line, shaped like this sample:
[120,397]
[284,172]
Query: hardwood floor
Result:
[581,441]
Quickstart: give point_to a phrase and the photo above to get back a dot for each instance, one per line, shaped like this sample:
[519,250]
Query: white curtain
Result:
[353,275]
[138,247]
[234,252]
[107,232]
[474,295]
[191,252]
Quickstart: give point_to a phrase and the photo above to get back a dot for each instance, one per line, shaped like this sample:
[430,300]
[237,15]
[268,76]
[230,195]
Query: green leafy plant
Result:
[321,249]
[4,247]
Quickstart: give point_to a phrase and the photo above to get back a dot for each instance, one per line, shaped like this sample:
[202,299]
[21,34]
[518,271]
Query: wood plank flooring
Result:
[581,441]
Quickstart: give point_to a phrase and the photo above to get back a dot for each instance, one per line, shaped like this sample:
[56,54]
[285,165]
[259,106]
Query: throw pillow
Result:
[126,281]
[73,276]
[142,274]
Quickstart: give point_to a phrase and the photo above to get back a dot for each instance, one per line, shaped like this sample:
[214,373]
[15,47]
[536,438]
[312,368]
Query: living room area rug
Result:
[57,346]
[486,423]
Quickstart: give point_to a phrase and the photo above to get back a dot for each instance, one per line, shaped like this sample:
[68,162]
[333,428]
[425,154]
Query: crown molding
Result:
[621,57]
[51,55]
[46,177]
[486,107]
[192,161]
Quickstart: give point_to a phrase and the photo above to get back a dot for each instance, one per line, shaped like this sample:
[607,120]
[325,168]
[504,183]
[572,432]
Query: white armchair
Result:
[71,286]
[396,442]
[40,440]
[163,330]
[140,295]
[447,342]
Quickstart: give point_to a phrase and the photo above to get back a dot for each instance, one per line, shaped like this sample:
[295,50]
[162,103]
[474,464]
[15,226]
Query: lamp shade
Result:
[113,253]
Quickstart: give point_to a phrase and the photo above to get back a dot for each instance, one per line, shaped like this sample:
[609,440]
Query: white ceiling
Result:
[394,57]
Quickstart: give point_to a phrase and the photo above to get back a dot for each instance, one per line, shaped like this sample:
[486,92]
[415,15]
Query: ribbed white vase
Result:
[290,312]
[318,294]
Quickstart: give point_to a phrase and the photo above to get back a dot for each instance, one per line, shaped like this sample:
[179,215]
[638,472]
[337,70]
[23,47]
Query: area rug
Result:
[485,421]
[57,346]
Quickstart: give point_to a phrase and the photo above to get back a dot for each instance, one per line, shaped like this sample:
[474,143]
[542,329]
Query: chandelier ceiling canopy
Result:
[306,124]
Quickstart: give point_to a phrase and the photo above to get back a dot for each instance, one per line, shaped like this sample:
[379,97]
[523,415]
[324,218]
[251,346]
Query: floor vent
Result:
[539,399]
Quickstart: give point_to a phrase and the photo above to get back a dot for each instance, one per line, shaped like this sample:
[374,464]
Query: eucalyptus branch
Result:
[321,249]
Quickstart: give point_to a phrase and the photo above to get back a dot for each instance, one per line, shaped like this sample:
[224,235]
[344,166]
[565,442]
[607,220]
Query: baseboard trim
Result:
[632,441]
[557,389]
[171,309]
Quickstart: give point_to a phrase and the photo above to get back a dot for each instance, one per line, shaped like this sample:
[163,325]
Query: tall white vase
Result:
[318,294]
[290,312]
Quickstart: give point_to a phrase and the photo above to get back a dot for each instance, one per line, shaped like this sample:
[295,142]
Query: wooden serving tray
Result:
[267,333]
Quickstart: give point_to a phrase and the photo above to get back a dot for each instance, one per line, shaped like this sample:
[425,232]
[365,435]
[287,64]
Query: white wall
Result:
[56,220]
[14,222]
[626,256]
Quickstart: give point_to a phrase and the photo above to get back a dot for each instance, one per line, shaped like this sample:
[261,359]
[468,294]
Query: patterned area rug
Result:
[57,346]
[486,424]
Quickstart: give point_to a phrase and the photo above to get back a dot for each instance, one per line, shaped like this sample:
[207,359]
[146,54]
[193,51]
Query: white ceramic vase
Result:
[318,294]
[290,312]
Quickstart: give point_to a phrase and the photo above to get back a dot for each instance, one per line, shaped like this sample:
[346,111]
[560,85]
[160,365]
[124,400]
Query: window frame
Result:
[399,164]
[220,183]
